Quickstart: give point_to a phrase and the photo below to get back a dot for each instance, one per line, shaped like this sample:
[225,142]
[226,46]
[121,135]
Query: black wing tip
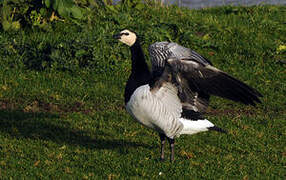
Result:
[191,114]
[258,94]
[241,92]
[218,129]
[254,101]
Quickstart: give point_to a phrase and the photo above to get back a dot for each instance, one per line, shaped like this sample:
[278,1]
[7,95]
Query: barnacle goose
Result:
[172,98]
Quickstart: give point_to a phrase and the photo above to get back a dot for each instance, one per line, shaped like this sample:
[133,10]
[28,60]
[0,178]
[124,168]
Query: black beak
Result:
[117,36]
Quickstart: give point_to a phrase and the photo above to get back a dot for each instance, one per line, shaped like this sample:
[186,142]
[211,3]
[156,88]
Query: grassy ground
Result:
[61,97]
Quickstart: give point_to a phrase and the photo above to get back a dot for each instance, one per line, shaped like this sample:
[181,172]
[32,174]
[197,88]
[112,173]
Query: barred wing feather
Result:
[160,51]
[210,80]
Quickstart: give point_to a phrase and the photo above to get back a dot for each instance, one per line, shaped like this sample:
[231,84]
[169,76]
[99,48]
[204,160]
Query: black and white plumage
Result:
[160,51]
[169,100]
[198,78]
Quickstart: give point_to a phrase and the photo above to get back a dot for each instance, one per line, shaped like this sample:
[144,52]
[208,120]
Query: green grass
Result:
[61,97]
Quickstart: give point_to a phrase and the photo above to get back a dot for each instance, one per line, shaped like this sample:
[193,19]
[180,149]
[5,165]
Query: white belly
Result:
[151,111]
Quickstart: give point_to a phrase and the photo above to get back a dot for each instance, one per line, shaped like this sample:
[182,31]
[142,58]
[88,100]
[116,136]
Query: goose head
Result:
[127,37]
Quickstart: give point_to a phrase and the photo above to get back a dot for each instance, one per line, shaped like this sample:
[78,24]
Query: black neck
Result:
[139,64]
[140,74]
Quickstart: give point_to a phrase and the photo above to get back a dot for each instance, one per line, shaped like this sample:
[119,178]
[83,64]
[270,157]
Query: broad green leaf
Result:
[68,3]
[43,11]
[48,3]
[76,12]
[56,4]
[62,10]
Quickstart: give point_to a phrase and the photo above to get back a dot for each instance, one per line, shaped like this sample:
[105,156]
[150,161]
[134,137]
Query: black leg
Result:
[172,146]
[163,140]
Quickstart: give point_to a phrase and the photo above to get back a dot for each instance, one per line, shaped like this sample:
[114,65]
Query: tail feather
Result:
[193,127]
[215,128]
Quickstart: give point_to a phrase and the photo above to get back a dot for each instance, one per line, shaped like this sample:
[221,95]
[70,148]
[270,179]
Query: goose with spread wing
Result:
[171,99]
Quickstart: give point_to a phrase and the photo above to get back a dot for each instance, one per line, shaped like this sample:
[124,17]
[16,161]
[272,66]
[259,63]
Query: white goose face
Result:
[127,37]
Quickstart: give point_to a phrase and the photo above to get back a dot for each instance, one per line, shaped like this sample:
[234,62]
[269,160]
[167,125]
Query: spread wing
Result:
[200,77]
[159,52]
[197,78]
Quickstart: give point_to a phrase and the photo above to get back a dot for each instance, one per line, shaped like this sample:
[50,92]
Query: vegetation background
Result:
[62,78]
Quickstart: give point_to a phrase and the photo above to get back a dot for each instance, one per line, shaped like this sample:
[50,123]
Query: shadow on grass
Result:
[46,126]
